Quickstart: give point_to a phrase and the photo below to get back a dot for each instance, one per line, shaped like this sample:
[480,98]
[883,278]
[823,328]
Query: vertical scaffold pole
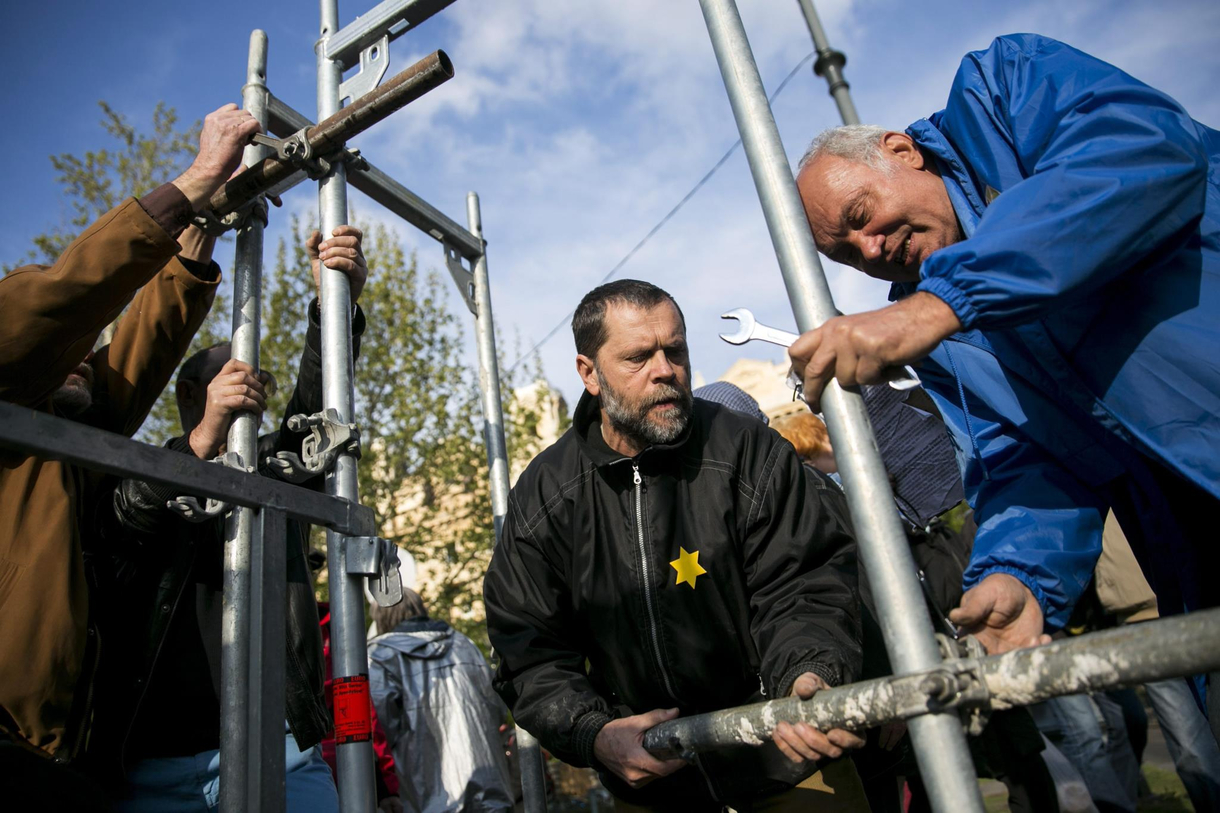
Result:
[489,373]
[349,655]
[529,752]
[940,743]
[245,609]
[830,64]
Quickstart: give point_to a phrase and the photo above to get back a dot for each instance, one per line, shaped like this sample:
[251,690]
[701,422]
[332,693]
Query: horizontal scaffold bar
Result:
[1126,656]
[330,135]
[389,18]
[283,120]
[46,436]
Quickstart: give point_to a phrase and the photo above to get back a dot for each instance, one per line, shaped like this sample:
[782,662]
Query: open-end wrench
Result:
[749,329]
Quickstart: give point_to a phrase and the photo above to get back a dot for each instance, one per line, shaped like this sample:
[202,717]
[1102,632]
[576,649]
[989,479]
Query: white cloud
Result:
[582,124]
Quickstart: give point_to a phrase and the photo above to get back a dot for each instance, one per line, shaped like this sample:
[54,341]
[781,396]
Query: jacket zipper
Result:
[653,628]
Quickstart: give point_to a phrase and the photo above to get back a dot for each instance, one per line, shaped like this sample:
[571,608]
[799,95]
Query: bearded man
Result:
[668,555]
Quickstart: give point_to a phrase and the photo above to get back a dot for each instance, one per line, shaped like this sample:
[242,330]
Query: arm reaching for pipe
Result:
[1002,613]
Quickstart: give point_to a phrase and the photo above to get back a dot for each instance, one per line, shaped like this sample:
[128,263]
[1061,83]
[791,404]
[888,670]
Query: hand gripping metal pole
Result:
[349,656]
[529,752]
[830,64]
[252,687]
[940,743]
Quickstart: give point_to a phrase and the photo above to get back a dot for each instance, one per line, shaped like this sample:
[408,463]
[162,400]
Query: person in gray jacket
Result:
[432,691]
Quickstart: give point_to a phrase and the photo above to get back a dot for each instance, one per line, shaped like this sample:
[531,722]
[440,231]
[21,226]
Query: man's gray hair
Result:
[855,142]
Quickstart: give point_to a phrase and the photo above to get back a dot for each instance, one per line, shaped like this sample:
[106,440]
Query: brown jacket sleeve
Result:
[131,372]
[50,317]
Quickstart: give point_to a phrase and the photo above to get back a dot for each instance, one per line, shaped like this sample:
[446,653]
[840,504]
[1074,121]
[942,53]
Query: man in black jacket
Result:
[670,556]
[157,725]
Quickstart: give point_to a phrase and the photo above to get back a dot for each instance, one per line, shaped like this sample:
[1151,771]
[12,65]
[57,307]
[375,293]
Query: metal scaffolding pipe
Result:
[1127,656]
[529,752]
[349,655]
[239,687]
[52,438]
[333,131]
[268,611]
[489,373]
[830,64]
[284,121]
[389,18]
[940,744]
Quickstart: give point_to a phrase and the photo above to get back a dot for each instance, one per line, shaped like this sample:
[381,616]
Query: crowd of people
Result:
[1053,241]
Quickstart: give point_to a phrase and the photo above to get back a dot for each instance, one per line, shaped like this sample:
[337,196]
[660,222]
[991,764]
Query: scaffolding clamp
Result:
[375,558]
[329,437]
[297,151]
[463,277]
[207,221]
[189,507]
[374,61]
[959,683]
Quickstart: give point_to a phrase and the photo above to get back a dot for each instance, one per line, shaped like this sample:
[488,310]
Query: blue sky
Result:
[580,124]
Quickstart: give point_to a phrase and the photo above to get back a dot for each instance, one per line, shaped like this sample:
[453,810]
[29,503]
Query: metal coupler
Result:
[965,687]
[374,556]
[297,151]
[329,437]
[189,507]
[210,224]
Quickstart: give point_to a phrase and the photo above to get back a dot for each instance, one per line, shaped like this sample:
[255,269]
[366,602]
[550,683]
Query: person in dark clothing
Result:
[157,727]
[1010,747]
[667,556]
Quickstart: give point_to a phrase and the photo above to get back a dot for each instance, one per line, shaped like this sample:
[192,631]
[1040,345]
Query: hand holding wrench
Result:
[749,329]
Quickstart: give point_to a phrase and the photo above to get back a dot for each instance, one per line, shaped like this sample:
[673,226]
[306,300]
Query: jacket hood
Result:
[424,640]
[586,424]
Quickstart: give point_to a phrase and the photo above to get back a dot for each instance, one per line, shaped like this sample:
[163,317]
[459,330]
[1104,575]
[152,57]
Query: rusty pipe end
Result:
[445,63]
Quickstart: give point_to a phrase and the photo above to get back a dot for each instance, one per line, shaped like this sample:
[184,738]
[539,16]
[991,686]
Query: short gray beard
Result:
[634,421]
[72,400]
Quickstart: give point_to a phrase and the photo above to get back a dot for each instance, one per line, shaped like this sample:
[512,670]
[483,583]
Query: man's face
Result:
[75,395]
[883,224]
[642,373]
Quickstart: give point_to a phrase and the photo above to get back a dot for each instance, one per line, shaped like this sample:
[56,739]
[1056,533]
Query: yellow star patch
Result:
[688,567]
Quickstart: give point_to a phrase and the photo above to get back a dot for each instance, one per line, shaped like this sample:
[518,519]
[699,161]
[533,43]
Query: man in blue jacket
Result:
[1053,236]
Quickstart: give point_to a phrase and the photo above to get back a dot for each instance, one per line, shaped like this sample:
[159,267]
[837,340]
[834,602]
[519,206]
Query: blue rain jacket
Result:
[1089,288]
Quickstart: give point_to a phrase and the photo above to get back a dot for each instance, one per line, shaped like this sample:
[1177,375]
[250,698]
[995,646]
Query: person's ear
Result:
[903,148]
[587,371]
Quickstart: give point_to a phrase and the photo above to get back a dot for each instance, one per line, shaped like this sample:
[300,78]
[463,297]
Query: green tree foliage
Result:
[93,184]
[96,182]
[423,467]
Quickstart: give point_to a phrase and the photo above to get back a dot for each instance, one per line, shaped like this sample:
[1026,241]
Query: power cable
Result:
[661,223]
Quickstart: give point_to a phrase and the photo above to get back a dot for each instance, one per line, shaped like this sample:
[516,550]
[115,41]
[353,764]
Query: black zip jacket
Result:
[148,560]
[586,572]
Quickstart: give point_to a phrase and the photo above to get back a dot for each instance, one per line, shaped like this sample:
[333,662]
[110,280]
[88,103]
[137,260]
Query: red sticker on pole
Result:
[352,717]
